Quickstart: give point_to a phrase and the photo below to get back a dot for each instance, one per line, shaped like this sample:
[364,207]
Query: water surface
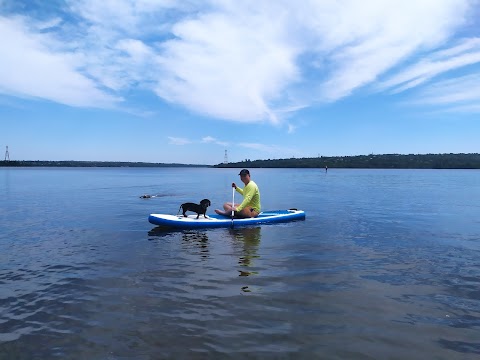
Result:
[386,265]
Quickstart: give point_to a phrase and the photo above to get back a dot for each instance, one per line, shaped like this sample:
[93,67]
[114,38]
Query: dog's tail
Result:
[178,212]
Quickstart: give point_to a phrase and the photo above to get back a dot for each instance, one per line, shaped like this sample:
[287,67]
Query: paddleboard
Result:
[215,220]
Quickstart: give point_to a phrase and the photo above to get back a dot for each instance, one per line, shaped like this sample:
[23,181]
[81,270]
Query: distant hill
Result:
[91,164]
[385,161]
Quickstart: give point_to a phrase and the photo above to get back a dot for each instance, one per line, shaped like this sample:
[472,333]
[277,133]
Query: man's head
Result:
[245,176]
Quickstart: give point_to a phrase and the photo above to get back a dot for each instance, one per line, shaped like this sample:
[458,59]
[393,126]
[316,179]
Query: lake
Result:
[386,265]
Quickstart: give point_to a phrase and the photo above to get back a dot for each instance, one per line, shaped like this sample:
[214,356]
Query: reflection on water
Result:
[249,238]
[244,243]
[198,239]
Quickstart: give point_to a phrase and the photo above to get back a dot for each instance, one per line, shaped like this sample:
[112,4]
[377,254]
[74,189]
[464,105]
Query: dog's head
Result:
[205,203]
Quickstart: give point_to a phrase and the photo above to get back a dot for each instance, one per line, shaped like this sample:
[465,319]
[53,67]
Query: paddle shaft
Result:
[233,201]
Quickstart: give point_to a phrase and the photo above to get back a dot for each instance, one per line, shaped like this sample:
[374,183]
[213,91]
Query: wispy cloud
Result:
[461,94]
[360,41]
[228,59]
[291,128]
[205,140]
[262,149]
[178,141]
[436,63]
[270,149]
[209,139]
[30,68]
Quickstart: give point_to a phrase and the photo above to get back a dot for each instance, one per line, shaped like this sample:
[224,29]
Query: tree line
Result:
[385,161]
[28,163]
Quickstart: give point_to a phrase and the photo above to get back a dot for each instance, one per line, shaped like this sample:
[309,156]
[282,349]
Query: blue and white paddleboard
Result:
[215,220]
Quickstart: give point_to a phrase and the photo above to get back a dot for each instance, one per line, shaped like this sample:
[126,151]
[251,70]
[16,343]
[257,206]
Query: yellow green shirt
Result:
[251,197]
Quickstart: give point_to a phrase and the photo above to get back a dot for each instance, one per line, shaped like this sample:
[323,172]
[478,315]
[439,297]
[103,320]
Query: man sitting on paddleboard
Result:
[250,206]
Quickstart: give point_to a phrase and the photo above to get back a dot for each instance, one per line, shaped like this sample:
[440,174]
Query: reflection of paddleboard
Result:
[265,217]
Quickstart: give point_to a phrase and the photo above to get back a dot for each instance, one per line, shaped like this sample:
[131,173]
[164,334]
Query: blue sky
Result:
[183,81]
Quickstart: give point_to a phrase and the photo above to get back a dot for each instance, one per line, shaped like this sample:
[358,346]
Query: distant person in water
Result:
[250,206]
[326,168]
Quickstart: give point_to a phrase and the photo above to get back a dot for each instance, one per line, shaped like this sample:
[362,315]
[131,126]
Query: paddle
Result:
[233,203]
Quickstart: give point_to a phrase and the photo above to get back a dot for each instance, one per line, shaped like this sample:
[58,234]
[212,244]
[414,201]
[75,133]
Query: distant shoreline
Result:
[385,161]
[103,164]
[372,161]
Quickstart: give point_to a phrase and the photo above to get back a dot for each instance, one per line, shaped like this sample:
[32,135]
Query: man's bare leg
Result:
[227,209]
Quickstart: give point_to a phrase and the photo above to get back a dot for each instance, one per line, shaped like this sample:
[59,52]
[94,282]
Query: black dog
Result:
[199,209]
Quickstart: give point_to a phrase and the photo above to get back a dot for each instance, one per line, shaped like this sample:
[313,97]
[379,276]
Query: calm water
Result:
[386,266]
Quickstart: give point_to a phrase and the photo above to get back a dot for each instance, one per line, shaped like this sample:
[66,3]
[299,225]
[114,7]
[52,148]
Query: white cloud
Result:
[460,94]
[270,149]
[228,64]
[466,53]
[136,50]
[29,68]
[51,23]
[209,139]
[178,141]
[205,140]
[235,63]
[245,61]
[365,39]
[260,148]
